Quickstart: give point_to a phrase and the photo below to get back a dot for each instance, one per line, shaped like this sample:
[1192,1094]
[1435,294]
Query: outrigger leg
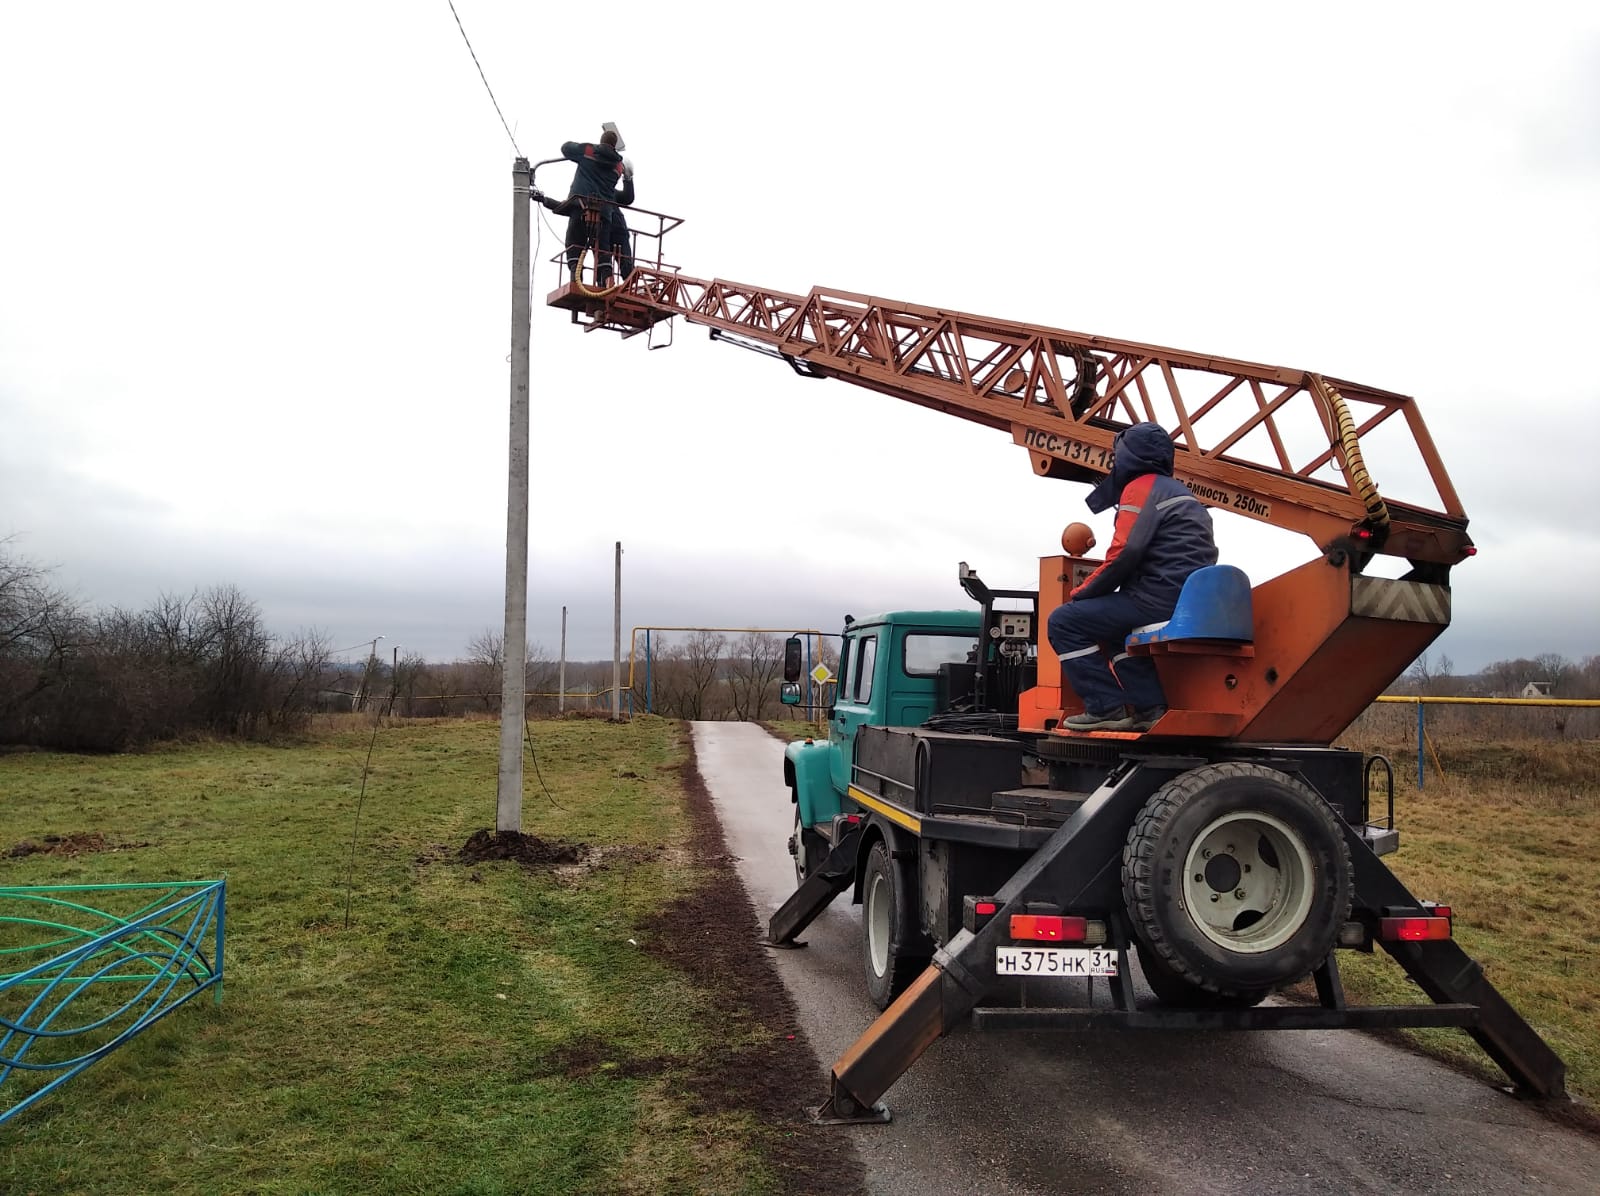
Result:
[817,891]
[962,972]
[1448,975]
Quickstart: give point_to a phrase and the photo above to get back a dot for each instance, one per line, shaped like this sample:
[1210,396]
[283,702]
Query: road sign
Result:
[822,674]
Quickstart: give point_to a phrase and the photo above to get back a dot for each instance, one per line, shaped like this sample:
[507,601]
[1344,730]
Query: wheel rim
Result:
[877,919]
[1248,882]
[797,848]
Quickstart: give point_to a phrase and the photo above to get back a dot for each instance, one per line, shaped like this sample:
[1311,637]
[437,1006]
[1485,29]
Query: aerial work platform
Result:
[613,308]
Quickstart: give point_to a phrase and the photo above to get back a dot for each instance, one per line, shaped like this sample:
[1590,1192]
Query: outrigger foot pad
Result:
[840,1109]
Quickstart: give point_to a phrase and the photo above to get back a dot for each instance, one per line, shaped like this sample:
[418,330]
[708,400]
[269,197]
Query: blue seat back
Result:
[1214,605]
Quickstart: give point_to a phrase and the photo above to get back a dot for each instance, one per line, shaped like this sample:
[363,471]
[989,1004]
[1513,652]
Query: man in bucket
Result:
[1163,534]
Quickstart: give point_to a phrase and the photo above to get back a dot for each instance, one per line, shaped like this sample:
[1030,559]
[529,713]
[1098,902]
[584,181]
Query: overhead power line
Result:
[484,77]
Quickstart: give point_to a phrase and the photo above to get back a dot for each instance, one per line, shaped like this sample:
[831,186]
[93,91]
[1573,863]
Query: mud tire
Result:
[1237,878]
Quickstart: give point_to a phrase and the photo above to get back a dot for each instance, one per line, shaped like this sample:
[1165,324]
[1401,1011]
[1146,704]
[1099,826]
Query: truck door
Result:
[852,708]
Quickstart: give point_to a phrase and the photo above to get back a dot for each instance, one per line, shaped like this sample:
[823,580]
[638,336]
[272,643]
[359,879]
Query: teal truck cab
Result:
[889,676]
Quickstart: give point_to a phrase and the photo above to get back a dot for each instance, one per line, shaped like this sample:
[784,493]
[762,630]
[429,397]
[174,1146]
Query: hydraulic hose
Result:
[591,292]
[1355,467]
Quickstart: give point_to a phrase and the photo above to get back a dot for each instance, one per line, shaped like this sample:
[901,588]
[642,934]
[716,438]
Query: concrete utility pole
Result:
[616,645]
[514,651]
[365,691]
[561,683]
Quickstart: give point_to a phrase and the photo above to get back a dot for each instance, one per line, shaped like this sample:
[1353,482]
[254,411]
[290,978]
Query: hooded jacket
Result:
[1163,531]
[599,168]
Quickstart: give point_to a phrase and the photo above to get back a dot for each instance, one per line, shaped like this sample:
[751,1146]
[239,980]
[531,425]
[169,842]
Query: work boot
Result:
[1113,720]
[1144,719]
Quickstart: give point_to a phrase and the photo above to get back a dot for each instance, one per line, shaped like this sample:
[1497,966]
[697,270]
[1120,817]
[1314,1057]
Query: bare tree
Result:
[702,659]
[410,675]
[41,629]
[300,668]
[1556,669]
[487,656]
[754,665]
[540,672]
[1587,681]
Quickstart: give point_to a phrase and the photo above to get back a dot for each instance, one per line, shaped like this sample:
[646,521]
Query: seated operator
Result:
[1163,534]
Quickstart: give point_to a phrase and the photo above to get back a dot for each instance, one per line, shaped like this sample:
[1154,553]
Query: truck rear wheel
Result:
[1237,878]
[893,951]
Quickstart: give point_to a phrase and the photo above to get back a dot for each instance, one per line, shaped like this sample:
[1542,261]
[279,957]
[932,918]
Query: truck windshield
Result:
[926,651]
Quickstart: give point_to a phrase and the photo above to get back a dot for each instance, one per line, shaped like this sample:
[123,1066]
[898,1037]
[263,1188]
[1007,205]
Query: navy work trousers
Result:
[1088,635]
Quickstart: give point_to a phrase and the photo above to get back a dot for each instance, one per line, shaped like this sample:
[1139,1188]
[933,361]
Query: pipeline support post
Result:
[1422,732]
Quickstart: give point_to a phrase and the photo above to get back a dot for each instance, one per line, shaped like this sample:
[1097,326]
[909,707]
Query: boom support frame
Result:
[1283,446]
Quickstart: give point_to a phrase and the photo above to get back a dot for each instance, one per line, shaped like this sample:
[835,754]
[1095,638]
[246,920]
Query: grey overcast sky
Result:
[255,259]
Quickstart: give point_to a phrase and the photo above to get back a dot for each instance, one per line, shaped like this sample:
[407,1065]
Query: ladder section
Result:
[1284,446]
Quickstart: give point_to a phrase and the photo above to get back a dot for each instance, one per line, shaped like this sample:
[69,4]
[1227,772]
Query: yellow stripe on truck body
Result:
[893,813]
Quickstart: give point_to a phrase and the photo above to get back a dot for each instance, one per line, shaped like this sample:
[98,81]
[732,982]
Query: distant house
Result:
[1537,689]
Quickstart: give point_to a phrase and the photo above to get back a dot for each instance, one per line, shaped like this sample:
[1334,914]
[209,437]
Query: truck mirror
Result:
[791,661]
[789,693]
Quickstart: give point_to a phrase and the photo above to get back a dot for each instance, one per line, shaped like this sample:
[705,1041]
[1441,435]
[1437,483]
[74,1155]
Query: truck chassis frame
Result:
[1077,868]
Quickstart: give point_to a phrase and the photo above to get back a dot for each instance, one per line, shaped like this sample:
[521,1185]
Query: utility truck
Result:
[1229,849]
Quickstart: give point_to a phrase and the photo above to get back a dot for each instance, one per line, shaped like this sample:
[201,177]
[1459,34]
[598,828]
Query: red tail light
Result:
[986,909]
[1049,927]
[1413,930]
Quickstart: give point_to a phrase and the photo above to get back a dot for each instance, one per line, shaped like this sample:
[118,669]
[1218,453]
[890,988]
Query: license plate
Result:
[1054,961]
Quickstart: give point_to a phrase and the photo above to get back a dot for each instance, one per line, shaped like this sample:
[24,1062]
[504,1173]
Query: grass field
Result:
[482,1027]
[1509,836]
[478,1028]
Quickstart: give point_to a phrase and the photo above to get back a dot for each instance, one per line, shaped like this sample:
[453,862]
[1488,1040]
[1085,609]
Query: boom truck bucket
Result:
[1229,848]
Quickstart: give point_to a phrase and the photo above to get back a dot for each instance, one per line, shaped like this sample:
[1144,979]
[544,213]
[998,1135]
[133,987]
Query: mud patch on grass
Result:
[603,856]
[763,1064]
[76,843]
[589,1055]
[528,850]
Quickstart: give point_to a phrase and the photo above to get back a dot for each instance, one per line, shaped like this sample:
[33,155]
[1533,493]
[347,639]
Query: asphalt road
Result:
[1302,1112]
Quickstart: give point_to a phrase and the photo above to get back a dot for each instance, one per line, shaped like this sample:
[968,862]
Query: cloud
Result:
[259,335]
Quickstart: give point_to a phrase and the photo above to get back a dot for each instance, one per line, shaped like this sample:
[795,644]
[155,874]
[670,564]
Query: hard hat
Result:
[1077,539]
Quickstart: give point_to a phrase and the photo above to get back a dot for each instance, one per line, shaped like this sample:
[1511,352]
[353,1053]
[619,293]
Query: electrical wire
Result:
[527,732]
[364,643]
[484,77]
[355,829]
